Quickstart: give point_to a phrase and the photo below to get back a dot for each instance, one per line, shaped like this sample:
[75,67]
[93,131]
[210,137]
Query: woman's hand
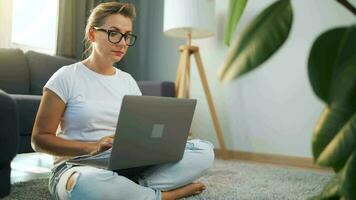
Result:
[103,144]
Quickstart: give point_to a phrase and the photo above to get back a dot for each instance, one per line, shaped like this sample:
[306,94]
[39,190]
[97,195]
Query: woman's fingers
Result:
[104,144]
[109,140]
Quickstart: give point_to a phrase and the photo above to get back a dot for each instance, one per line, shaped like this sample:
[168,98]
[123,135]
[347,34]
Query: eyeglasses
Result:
[115,36]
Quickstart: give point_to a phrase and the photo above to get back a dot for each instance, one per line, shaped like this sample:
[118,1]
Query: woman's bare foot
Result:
[185,191]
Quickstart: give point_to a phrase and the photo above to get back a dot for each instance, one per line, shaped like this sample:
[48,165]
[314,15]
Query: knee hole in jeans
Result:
[71,181]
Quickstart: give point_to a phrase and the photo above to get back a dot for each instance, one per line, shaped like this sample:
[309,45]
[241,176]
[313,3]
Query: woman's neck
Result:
[99,65]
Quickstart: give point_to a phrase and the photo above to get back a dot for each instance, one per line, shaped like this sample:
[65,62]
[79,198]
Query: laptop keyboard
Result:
[100,160]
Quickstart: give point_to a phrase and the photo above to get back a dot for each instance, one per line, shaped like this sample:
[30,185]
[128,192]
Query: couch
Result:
[8,139]
[22,77]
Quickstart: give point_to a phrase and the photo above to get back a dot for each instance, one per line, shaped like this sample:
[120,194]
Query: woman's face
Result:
[106,49]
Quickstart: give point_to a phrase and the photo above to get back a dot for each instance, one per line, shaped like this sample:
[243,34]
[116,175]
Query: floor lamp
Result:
[192,19]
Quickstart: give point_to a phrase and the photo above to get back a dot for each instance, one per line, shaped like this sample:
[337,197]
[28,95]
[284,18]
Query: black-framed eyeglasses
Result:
[115,36]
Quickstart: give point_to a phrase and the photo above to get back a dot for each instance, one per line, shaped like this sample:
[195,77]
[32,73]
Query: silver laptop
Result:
[150,130]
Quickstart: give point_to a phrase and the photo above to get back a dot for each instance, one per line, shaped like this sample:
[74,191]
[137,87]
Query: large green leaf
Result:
[342,109]
[259,41]
[344,95]
[340,148]
[343,184]
[332,73]
[236,8]
[327,62]
[330,123]
[348,187]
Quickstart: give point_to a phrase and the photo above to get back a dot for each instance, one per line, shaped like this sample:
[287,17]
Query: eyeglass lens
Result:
[116,37]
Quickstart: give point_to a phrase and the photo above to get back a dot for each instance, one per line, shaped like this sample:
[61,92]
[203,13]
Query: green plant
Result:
[332,75]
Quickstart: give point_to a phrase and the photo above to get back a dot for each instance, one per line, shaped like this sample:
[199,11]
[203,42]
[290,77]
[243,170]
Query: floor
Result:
[232,179]
[29,166]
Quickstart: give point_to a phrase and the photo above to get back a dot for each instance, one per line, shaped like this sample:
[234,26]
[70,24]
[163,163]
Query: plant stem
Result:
[347,5]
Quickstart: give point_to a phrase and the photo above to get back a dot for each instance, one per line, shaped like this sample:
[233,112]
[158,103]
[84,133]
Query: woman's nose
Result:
[122,42]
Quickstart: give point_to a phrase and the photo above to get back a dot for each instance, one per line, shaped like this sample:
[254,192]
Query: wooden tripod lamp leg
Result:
[210,103]
[187,75]
[179,73]
[182,81]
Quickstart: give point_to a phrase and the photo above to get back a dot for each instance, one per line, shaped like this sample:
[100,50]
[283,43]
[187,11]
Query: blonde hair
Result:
[98,15]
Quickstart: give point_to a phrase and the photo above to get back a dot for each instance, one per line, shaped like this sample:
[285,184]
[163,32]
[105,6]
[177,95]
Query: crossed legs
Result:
[167,181]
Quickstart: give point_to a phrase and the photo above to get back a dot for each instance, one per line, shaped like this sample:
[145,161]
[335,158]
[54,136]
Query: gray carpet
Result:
[227,180]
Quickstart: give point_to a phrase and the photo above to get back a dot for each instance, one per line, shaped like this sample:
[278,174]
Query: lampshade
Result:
[182,17]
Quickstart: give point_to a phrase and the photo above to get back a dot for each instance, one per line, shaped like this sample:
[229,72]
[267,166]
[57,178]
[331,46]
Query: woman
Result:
[83,98]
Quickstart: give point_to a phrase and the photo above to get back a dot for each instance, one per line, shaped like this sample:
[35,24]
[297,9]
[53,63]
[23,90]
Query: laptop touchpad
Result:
[157,130]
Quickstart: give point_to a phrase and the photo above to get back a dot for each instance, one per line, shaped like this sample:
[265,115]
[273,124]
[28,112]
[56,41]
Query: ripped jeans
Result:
[95,183]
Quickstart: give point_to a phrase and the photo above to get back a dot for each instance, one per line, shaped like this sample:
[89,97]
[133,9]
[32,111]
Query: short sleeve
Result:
[60,83]
[134,89]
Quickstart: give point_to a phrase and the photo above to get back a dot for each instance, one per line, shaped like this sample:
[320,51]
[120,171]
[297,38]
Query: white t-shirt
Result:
[93,100]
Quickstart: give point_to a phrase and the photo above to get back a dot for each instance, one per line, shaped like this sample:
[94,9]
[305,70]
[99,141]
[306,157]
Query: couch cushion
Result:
[42,67]
[14,73]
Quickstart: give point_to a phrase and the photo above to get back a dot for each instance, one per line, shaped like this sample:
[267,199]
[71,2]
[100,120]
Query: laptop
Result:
[151,130]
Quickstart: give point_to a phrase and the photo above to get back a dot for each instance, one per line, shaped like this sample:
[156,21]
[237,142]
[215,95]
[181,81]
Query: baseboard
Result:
[272,159]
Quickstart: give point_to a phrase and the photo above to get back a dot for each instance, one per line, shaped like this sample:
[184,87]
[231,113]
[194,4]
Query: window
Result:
[34,25]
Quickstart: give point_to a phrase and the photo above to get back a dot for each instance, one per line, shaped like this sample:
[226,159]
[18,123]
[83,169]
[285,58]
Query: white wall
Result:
[271,110]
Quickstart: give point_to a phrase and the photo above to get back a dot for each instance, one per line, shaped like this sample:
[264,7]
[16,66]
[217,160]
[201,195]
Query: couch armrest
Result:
[9,132]
[27,106]
[157,88]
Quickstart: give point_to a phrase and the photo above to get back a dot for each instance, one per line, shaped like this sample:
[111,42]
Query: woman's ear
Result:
[91,35]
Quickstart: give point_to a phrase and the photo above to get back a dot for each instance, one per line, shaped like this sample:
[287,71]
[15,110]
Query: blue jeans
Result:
[95,183]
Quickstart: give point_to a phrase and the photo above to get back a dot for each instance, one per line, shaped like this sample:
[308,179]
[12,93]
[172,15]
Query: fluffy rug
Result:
[227,180]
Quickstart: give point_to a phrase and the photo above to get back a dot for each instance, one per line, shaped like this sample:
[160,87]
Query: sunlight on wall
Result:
[5,23]
[35,23]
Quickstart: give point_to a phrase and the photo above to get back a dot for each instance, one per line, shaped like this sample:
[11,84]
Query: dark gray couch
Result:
[8,139]
[22,77]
